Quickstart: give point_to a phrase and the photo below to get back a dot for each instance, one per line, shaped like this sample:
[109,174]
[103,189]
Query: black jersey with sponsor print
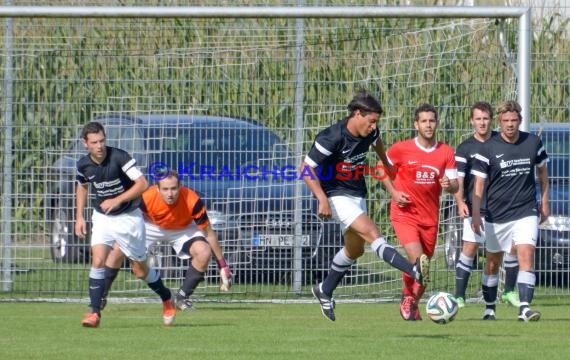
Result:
[464,157]
[109,178]
[336,154]
[509,172]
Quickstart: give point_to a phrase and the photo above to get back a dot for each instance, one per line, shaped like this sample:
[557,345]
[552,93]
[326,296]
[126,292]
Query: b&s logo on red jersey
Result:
[426,175]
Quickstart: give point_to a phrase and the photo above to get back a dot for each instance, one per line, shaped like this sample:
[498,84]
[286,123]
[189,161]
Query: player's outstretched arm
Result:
[226,276]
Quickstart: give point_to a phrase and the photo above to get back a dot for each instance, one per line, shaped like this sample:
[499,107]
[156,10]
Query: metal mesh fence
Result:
[147,77]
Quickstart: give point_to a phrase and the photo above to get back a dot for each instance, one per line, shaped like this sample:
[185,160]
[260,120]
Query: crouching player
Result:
[175,214]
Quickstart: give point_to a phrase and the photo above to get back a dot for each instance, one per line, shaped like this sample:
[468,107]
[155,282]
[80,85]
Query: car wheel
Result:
[452,245]
[64,247]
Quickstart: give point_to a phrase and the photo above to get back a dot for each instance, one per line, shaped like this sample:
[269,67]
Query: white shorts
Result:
[469,235]
[176,238]
[127,230]
[501,237]
[346,209]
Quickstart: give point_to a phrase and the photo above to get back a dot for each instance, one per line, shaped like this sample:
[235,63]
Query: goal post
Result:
[523,14]
[290,69]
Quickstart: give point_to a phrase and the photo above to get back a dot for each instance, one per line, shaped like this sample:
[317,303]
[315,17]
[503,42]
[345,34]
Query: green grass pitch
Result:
[279,331]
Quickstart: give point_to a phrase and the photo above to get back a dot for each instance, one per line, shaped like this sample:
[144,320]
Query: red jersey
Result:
[418,172]
[187,208]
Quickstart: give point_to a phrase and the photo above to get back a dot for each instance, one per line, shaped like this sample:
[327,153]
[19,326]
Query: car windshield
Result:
[217,149]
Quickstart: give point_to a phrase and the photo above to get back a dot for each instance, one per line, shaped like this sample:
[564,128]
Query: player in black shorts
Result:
[481,120]
[508,163]
[330,171]
[116,219]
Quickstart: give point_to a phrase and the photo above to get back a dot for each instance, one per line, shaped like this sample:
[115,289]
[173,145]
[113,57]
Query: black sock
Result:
[191,280]
[511,273]
[110,276]
[340,265]
[461,281]
[332,280]
[396,260]
[463,270]
[96,288]
[526,285]
[158,286]
[490,296]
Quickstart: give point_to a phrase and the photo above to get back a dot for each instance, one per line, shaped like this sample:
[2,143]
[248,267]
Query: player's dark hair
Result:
[425,108]
[92,127]
[482,106]
[365,102]
[172,174]
[509,106]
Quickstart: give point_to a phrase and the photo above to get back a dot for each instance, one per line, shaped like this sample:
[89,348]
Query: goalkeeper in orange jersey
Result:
[175,214]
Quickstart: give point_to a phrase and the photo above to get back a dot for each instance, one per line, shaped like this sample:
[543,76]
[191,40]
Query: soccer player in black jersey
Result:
[333,171]
[118,185]
[508,163]
[481,120]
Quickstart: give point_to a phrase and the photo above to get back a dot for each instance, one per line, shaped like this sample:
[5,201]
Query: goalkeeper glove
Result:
[225,275]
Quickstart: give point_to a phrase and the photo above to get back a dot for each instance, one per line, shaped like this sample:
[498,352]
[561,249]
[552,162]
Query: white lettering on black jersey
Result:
[509,173]
[335,154]
[114,176]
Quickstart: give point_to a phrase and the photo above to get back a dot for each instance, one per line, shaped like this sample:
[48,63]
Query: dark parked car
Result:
[552,257]
[263,218]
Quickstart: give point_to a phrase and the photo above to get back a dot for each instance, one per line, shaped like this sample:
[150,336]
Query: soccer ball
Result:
[441,308]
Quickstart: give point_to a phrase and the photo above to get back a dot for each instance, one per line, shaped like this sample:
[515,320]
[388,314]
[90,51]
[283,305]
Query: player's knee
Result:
[139,269]
[354,252]
[470,249]
[200,249]
[492,267]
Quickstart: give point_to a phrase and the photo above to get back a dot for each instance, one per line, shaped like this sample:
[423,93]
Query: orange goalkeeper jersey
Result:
[187,208]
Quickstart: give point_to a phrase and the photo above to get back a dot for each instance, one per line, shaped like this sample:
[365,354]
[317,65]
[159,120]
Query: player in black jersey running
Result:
[508,163]
[332,171]
[117,219]
[481,120]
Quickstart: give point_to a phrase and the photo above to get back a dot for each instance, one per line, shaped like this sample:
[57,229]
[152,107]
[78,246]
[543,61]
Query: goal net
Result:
[209,96]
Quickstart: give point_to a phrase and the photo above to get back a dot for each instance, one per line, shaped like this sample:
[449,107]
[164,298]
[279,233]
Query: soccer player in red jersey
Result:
[423,167]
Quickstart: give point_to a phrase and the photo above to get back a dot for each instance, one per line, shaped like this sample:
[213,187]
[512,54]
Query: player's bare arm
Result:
[544,205]
[314,184]
[225,272]
[81,192]
[462,208]
[449,185]
[212,239]
[139,186]
[383,165]
[478,188]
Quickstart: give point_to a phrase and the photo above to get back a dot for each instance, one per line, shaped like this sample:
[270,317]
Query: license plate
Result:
[273,240]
